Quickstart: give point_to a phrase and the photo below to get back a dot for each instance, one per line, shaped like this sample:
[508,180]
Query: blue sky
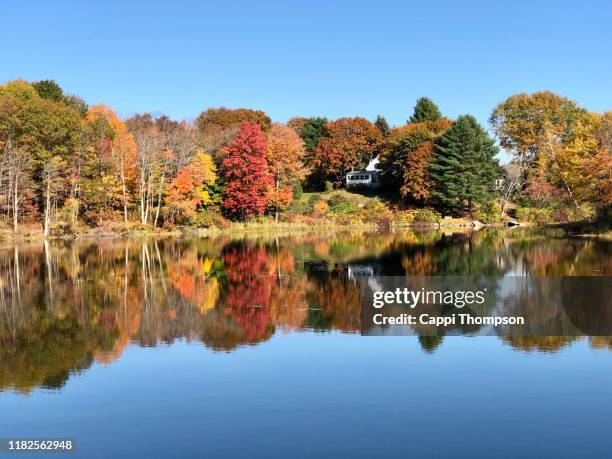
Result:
[312,57]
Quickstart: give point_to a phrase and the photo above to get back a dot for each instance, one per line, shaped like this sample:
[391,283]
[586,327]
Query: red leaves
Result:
[245,170]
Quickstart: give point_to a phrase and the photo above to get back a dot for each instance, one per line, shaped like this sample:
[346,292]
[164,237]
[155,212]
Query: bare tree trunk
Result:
[142,216]
[148,199]
[47,207]
[125,212]
[276,215]
[15,202]
[159,195]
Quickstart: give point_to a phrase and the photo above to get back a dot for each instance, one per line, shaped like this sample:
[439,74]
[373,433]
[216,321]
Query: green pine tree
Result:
[425,110]
[463,167]
[382,125]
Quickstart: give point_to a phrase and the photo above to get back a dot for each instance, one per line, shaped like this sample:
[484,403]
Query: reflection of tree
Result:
[430,343]
[601,342]
[249,282]
[67,304]
[335,302]
[539,343]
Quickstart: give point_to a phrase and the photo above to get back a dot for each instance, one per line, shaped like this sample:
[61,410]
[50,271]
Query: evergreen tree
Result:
[425,110]
[311,132]
[463,167]
[49,89]
[382,125]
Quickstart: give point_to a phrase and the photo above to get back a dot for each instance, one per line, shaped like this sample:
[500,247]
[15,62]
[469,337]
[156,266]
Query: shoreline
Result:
[573,229]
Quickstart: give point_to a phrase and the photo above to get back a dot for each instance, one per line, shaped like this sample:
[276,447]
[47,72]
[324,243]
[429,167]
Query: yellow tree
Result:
[284,153]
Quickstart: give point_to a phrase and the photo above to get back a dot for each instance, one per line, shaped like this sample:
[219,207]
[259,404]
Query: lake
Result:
[251,347]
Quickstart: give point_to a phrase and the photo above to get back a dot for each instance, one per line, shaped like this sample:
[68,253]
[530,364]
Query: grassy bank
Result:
[330,211]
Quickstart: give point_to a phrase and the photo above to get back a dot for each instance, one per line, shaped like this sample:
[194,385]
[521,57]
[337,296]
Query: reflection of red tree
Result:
[248,290]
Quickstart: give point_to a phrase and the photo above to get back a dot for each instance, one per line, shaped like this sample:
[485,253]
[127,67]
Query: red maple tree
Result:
[246,174]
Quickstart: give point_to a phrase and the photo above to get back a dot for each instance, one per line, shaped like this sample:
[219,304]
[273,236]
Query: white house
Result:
[368,177]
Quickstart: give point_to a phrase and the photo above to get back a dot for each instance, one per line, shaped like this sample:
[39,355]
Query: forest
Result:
[66,167]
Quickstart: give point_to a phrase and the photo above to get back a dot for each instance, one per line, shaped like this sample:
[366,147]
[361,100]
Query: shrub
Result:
[210,219]
[67,220]
[297,191]
[320,209]
[339,204]
[378,213]
[533,215]
[299,207]
[329,186]
[426,216]
[488,212]
[312,200]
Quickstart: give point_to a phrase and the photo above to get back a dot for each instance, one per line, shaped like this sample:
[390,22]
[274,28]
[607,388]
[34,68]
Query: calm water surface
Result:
[251,348]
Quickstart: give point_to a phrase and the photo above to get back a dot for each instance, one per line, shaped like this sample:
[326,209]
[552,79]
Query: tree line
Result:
[64,164]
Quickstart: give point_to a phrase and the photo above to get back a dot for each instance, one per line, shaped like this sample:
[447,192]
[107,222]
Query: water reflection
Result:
[64,305]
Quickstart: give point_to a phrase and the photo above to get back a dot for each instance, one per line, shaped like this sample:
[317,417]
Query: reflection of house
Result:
[368,177]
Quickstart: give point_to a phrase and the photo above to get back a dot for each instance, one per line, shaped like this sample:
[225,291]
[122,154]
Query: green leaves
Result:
[425,110]
[463,166]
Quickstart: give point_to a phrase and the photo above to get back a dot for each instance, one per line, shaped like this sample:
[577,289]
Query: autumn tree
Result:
[101,189]
[396,159]
[148,143]
[347,143]
[176,148]
[554,140]
[245,173]
[217,127]
[463,167]
[417,182]
[39,135]
[285,153]
[191,188]
[425,110]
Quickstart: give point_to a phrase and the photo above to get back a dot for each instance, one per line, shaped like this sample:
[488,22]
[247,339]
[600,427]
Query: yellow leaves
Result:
[102,111]
[206,165]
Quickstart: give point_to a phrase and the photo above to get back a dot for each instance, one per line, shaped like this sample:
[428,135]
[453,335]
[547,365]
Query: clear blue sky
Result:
[330,58]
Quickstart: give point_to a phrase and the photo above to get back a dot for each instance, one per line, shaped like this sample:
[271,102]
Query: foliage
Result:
[425,110]
[561,144]
[320,209]
[382,125]
[395,158]
[426,216]
[339,204]
[418,183]
[209,218]
[217,127]
[488,212]
[50,90]
[284,153]
[345,144]
[245,173]
[192,188]
[310,130]
[463,166]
